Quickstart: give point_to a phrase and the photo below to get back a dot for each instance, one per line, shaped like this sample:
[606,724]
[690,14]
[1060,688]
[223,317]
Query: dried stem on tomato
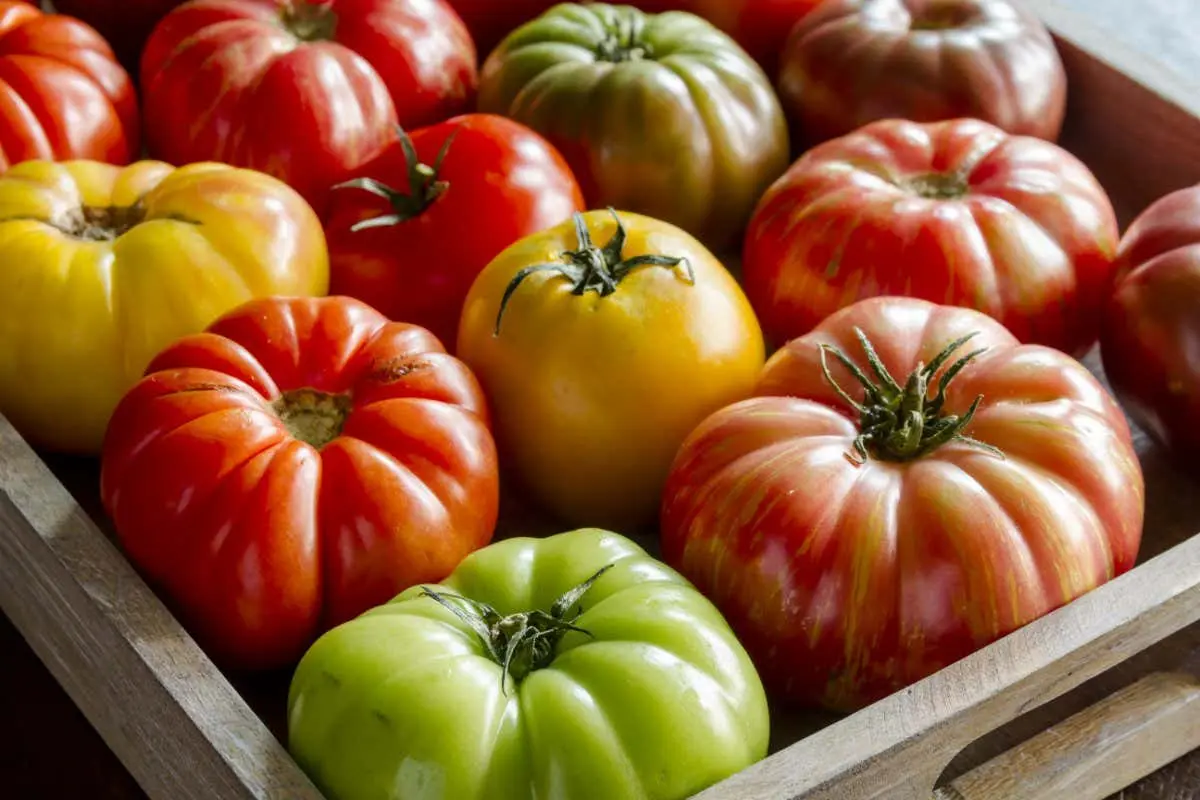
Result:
[903,423]
[523,642]
[592,268]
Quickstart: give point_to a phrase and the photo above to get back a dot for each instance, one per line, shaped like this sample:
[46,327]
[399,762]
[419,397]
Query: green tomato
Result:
[659,114]
[655,701]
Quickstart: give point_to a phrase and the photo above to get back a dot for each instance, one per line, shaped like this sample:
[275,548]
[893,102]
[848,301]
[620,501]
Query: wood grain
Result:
[1100,750]
[160,704]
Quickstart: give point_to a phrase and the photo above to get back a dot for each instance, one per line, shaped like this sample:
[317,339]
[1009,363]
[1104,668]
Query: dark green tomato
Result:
[662,114]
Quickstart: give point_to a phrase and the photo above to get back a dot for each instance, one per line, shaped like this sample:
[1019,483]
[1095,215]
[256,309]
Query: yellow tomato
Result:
[614,343]
[103,266]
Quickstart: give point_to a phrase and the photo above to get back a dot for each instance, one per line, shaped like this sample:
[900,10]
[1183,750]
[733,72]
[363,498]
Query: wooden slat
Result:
[1097,752]
[160,704]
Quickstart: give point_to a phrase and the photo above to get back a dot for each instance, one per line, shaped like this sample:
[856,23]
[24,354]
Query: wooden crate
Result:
[1079,704]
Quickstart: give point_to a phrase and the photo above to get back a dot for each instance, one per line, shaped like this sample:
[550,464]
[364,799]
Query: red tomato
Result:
[125,24]
[303,90]
[956,212]
[857,550]
[856,61]
[427,215]
[1151,331]
[300,462]
[65,96]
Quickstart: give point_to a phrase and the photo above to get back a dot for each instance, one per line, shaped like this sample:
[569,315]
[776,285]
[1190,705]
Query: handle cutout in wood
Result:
[1099,751]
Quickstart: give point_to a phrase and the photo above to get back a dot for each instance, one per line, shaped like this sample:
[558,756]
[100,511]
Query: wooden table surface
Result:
[48,751]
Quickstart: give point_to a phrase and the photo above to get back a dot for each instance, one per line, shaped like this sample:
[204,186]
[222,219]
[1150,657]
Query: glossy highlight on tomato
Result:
[301,461]
[859,539]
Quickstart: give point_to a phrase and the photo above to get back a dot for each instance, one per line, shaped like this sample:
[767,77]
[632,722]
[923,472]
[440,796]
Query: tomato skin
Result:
[203,239]
[678,124]
[847,583]
[66,97]
[308,112]
[760,26]
[852,62]
[125,24]
[504,182]
[1151,324]
[1029,236]
[261,539]
[659,703]
[592,395]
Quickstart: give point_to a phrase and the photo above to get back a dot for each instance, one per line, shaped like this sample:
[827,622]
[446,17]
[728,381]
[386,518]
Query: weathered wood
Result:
[1098,751]
[160,704]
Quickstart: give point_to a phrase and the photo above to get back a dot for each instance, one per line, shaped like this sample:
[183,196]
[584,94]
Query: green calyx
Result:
[622,41]
[523,642]
[903,423]
[594,269]
[424,186]
[310,20]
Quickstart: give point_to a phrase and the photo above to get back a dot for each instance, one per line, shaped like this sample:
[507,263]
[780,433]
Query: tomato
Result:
[65,97]
[304,90]
[622,682]
[301,461]
[601,344]
[661,115]
[761,27]
[104,266]
[1152,322]
[125,24]
[955,212]
[416,226]
[860,542]
[856,61]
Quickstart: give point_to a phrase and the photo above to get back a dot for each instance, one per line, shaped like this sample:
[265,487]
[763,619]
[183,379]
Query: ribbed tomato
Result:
[955,212]
[1151,332]
[852,62]
[305,90]
[410,233]
[872,515]
[300,462]
[64,96]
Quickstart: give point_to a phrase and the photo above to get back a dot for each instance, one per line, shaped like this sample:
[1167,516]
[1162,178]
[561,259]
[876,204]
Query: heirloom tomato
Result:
[662,115]
[305,90]
[601,344]
[410,234]
[851,62]
[1151,330]
[125,24]
[104,266]
[759,26]
[908,484]
[302,460]
[65,96]
[954,212]
[574,666]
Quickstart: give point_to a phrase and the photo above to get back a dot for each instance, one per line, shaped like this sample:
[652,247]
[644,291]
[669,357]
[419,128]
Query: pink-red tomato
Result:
[1151,333]
[416,227]
[954,212]
[851,62]
[304,90]
[857,550]
[300,462]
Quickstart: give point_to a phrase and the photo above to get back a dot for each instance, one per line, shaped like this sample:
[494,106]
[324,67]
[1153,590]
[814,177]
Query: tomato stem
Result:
[904,423]
[939,186]
[312,416]
[622,42]
[310,20]
[100,223]
[592,268]
[425,186]
[523,642]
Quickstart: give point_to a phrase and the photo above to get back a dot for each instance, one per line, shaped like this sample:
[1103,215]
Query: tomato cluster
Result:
[386,266]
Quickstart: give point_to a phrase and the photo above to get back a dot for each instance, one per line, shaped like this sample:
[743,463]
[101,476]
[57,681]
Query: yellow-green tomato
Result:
[622,683]
[601,345]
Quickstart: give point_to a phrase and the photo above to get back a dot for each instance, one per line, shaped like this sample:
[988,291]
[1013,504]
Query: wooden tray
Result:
[1079,704]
